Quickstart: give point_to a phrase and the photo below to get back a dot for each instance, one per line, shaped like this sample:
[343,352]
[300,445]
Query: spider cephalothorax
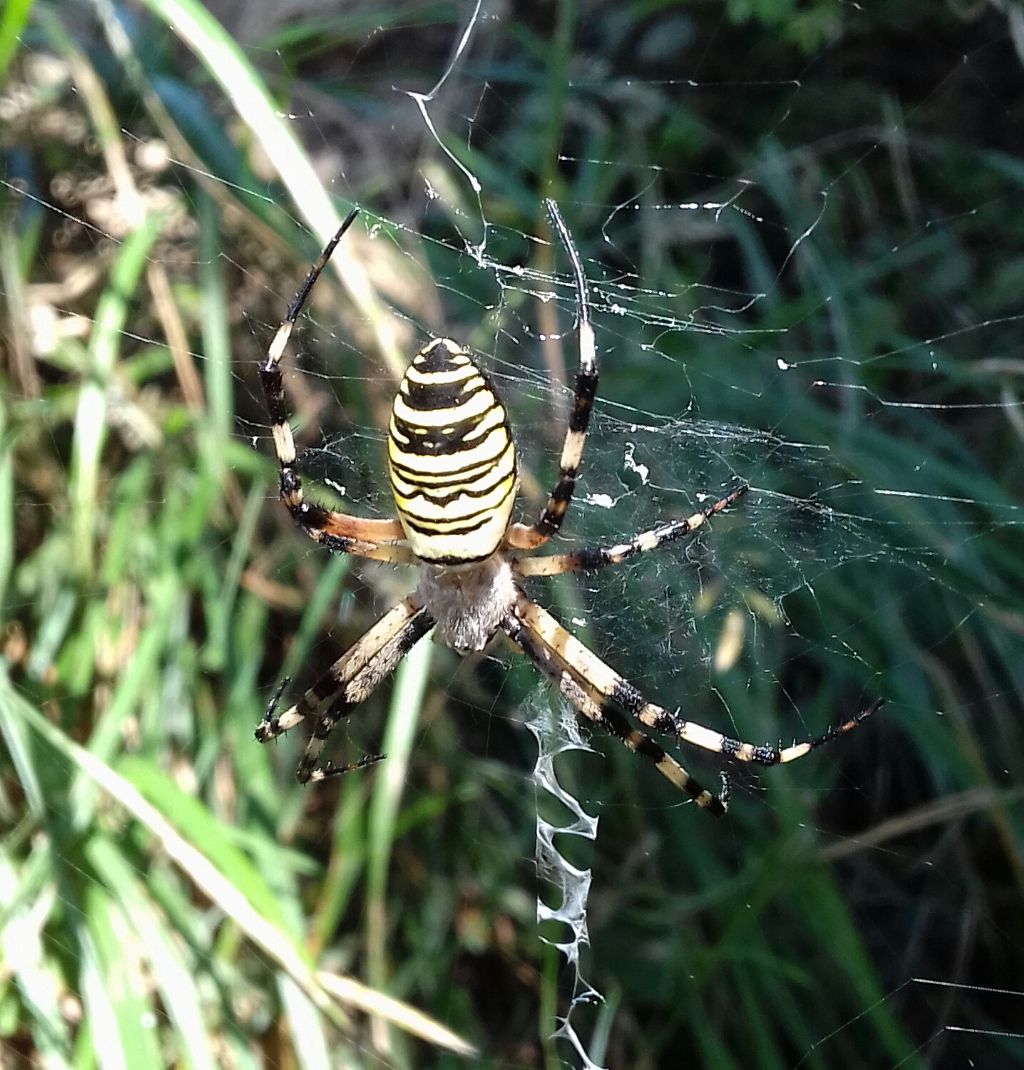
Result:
[452,468]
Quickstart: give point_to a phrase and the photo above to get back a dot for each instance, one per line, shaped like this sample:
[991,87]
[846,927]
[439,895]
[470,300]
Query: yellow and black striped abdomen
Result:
[451,459]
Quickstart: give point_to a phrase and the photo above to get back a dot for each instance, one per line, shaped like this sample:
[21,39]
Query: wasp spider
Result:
[452,469]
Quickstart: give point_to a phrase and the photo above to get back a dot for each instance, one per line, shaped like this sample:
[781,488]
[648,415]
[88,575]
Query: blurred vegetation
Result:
[168,895]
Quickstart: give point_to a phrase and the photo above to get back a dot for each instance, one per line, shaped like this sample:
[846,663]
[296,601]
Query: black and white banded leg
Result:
[336,531]
[594,557]
[350,680]
[605,681]
[523,536]
[598,710]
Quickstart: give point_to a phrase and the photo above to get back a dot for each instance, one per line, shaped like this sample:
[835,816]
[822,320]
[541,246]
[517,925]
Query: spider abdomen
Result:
[451,459]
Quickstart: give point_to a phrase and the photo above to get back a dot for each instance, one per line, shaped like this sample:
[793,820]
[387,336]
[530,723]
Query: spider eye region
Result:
[451,459]
[441,355]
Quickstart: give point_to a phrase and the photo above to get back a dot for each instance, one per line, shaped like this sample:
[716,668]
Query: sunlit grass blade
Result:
[207,878]
[13,20]
[175,980]
[403,718]
[305,1026]
[164,596]
[238,80]
[216,338]
[91,415]
[28,896]
[19,746]
[114,984]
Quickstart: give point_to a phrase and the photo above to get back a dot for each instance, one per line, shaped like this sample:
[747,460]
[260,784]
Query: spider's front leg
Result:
[594,557]
[524,536]
[338,531]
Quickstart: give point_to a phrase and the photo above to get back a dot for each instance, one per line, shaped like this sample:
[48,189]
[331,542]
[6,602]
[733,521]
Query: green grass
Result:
[169,896]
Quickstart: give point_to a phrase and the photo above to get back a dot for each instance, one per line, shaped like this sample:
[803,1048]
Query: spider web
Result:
[855,433]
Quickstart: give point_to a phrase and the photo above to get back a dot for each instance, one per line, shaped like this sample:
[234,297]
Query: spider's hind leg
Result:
[599,711]
[604,681]
[350,680]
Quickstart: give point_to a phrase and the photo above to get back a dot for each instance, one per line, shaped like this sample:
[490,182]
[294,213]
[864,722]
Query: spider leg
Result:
[594,557]
[600,712]
[352,662]
[604,680]
[523,536]
[350,680]
[337,531]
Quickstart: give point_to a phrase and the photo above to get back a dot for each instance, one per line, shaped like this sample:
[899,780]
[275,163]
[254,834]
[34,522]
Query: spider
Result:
[452,470]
